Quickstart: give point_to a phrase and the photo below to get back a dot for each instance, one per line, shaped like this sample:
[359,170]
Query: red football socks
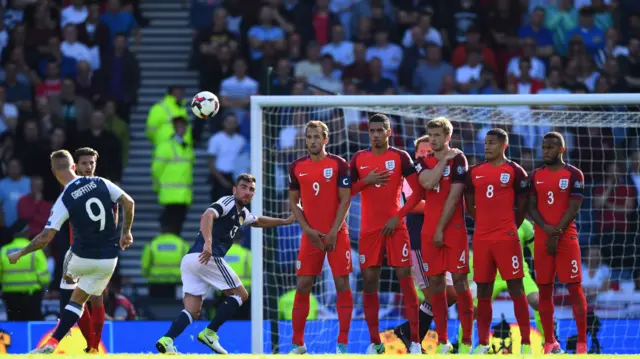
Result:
[412,306]
[485,314]
[345,309]
[299,317]
[97,315]
[465,311]
[86,327]
[371,308]
[521,309]
[440,309]
[546,309]
[579,304]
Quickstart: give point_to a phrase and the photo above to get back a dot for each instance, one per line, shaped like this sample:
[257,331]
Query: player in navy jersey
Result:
[91,322]
[415,220]
[87,202]
[204,267]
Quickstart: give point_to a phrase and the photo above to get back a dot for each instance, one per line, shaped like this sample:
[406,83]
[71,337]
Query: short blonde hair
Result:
[443,123]
[61,160]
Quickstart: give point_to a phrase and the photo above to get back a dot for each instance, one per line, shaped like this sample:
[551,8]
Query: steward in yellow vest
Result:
[159,126]
[23,283]
[161,263]
[239,259]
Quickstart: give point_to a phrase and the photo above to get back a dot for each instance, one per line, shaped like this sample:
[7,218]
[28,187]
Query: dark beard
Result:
[554,161]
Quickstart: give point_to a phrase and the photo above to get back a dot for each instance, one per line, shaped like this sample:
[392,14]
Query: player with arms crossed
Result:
[444,234]
[556,195]
[87,203]
[321,180]
[496,198]
[91,323]
[379,172]
[415,221]
[204,267]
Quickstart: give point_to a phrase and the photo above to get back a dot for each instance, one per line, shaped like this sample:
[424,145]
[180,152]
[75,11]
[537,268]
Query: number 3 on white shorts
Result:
[405,251]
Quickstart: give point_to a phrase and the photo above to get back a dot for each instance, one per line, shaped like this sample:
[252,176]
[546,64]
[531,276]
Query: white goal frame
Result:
[259,102]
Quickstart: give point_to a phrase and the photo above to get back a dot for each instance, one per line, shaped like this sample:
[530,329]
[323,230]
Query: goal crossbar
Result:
[258,103]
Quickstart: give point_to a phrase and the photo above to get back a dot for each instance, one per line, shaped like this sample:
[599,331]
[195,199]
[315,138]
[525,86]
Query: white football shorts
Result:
[198,279]
[91,275]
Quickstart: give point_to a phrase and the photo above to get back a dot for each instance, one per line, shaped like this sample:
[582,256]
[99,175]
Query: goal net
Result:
[602,136]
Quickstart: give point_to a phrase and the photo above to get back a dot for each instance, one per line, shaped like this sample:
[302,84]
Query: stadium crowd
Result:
[68,80]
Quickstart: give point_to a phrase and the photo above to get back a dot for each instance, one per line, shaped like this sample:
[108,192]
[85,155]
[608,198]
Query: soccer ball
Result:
[205,105]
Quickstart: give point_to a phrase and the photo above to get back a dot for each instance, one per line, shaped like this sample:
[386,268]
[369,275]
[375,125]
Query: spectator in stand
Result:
[106,144]
[554,86]
[66,64]
[377,83]
[118,127]
[121,77]
[266,31]
[543,36]
[388,53]
[525,84]
[236,92]
[94,34]
[4,36]
[592,36]
[501,20]
[16,92]
[25,74]
[411,57]
[427,79]
[41,29]
[224,149]
[78,51]
[538,68]
[43,115]
[57,141]
[9,114]
[363,33]
[310,66]
[87,86]
[51,84]
[611,71]
[595,274]
[630,65]
[120,22]
[210,39]
[359,69]
[603,17]
[281,83]
[612,48]
[32,150]
[428,32]
[330,78]
[215,67]
[487,84]
[467,76]
[340,49]
[322,21]
[588,74]
[7,152]
[74,14]
[117,306]
[70,111]
[460,54]
[12,188]
[259,68]
[33,209]
[561,19]
[461,15]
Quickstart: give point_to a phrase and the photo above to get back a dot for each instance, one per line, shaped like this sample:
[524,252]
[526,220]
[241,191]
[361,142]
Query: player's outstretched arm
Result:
[38,242]
[270,222]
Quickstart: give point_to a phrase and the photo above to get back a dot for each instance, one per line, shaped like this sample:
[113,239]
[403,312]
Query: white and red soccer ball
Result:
[205,105]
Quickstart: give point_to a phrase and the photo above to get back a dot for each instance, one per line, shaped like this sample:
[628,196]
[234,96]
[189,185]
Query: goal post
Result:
[582,117]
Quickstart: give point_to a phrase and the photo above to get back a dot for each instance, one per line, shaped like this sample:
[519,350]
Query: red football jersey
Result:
[381,202]
[318,183]
[434,200]
[553,191]
[495,189]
